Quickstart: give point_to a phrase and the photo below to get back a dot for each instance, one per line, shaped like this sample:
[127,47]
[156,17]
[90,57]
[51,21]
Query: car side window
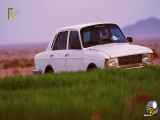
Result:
[74,41]
[54,39]
[87,36]
[61,41]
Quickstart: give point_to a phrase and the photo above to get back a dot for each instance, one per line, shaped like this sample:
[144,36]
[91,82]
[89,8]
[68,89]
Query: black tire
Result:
[49,69]
[91,67]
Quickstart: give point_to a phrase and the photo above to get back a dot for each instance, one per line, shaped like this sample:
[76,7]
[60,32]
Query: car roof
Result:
[80,26]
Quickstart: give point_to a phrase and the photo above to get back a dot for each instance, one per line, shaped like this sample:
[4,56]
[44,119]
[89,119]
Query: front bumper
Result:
[128,66]
[132,66]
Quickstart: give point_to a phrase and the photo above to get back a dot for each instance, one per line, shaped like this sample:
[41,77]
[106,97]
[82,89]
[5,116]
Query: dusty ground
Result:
[18,60]
[156,61]
[16,71]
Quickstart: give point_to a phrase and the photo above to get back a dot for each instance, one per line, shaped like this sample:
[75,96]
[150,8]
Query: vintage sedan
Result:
[89,46]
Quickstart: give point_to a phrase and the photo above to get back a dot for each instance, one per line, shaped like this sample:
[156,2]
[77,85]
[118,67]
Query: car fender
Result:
[95,57]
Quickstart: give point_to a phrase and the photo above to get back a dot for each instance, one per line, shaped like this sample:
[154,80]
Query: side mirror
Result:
[130,39]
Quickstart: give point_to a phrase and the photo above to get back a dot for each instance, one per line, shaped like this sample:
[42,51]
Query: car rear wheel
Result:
[49,69]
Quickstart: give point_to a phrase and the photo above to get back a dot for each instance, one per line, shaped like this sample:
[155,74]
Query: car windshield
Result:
[102,34]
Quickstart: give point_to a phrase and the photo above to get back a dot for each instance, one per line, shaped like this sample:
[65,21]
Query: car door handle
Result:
[51,55]
[66,54]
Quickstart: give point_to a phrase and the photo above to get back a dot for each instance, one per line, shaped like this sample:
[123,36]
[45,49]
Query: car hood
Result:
[121,49]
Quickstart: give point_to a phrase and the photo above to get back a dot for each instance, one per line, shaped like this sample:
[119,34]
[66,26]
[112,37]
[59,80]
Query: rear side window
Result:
[61,41]
[74,41]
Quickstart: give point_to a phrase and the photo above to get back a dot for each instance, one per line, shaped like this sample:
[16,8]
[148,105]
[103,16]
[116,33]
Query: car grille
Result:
[128,60]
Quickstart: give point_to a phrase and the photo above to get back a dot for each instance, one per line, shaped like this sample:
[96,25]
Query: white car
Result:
[90,46]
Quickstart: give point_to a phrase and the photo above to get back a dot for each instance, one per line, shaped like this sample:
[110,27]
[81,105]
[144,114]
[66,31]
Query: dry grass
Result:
[16,62]
[15,71]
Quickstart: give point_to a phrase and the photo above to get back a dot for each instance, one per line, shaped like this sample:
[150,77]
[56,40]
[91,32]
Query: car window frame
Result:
[90,27]
[55,39]
[69,40]
[53,42]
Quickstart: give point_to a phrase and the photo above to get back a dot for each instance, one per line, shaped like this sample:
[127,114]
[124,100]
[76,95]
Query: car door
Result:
[57,55]
[74,55]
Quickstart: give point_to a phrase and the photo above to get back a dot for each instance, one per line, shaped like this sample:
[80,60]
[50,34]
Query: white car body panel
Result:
[53,58]
[75,60]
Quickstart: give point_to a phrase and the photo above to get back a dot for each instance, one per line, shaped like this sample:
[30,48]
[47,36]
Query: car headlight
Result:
[112,62]
[147,58]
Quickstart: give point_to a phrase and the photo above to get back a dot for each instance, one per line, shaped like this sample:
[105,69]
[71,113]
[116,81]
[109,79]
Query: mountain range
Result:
[148,28]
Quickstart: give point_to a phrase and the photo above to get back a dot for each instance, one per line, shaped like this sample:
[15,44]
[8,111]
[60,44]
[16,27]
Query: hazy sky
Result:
[37,20]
